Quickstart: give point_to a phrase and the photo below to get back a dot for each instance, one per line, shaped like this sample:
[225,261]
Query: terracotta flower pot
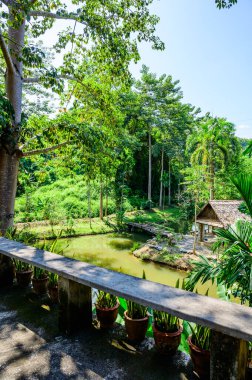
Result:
[40,285]
[107,316]
[200,359]
[136,328]
[167,343]
[54,293]
[24,278]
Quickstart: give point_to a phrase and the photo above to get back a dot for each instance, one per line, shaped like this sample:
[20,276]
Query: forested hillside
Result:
[143,148]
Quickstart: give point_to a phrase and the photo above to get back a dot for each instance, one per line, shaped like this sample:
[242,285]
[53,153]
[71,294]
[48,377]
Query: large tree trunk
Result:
[9,157]
[150,170]
[8,185]
[161,179]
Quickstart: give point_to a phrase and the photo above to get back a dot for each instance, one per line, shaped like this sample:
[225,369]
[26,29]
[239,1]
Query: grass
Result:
[154,215]
[80,227]
[43,230]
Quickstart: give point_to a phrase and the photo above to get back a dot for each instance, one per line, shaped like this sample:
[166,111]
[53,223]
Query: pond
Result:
[114,251]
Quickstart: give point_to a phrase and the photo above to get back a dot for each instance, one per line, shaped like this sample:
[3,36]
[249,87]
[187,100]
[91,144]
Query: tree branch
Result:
[6,54]
[44,150]
[53,15]
[39,79]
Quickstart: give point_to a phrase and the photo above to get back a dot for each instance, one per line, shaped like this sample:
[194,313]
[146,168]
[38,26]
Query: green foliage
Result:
[243,183]
[136,311]
[53,279]
[200,336]
[21,266]
[65,199]
[39,273]
[225,3]
[105,300]
[165,322]
[233,266]
[24,235]
[248,150]
[214,146]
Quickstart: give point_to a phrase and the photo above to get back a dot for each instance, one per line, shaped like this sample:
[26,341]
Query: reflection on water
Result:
[113,251]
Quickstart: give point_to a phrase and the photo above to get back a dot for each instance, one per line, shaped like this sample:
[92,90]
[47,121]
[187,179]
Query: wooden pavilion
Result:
[219,214]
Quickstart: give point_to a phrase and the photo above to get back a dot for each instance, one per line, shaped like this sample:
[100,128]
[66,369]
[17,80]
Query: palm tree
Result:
[212,145]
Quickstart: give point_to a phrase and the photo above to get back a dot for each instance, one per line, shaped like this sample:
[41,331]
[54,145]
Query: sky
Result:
[208,50]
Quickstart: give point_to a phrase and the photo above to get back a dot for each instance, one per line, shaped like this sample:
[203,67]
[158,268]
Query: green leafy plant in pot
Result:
[40,281]
[136,321]
[106,308]
[23,273]
[199,344]
[53,287]
[167,331]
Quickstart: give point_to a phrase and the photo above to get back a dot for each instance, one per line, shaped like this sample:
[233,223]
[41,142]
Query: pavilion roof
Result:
[221,213]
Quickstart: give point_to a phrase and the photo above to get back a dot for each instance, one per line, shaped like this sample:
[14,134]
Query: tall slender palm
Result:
[212,145]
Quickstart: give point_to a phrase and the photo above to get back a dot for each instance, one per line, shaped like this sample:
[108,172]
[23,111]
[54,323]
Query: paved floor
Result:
[31,352]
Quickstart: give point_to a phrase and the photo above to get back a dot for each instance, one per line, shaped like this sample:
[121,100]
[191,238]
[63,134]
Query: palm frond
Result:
[243,183]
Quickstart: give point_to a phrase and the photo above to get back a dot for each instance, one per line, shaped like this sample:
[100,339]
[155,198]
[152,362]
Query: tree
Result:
[196,189]
[225,3]
[158,101]
[106,38]
[212,144]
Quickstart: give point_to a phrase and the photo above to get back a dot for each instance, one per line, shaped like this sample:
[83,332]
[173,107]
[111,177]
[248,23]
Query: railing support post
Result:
[6,271]
[75,306]
[228,357]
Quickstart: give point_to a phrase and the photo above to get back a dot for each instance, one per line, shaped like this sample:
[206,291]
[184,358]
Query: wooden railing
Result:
[231,324]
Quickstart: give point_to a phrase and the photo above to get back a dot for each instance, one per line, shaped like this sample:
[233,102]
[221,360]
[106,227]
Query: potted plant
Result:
[106,308]
[167,331]
[23,273]
[40,281]
[53,288]
[136,321]
[199,344]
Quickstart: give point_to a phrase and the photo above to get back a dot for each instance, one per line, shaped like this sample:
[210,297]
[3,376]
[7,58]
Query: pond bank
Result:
[175,252]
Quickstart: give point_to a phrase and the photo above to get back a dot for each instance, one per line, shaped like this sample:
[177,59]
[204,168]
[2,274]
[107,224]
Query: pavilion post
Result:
[201,232]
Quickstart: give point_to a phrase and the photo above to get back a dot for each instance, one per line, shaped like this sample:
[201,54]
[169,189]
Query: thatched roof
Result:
[221,213]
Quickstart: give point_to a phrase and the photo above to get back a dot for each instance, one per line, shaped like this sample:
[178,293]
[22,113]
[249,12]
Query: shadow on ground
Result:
[32,348]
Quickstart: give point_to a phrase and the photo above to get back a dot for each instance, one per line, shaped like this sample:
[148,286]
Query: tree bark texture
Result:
[212,173]
[101,200]
[14,83]
[149,174]
[8,185]
[9,152]
[169,184]
[161,179]
[9,157]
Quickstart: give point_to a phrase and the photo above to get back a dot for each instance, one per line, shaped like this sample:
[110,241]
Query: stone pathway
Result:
[27,352]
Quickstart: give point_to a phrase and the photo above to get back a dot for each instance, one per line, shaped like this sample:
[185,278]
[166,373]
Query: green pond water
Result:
[113,251]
